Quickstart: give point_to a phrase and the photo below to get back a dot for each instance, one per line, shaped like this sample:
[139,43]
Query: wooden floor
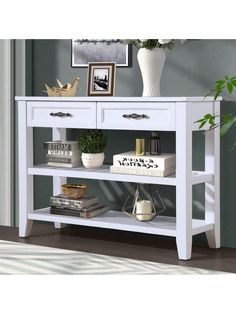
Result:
[123,244]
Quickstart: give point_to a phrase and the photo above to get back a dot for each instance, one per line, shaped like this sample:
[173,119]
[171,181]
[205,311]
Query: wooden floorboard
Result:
[123,244]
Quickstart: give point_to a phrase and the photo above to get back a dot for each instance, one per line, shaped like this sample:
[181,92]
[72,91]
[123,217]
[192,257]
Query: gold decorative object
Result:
[67,90]
[74,190]
[140,147]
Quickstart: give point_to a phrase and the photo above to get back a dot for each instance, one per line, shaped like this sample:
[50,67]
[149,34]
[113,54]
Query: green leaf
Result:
[202,124]
[217,94]
[200,120]
[226,117]
[226,77]
[227,125]
[220,82]
[208,116]
[233,82]
[230,88]
[212,121]
[219,89]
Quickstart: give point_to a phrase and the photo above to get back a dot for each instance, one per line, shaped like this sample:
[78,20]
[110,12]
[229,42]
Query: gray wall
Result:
[189,70]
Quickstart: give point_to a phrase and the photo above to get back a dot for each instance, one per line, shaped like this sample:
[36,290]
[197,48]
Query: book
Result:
[82,210]
[62,165]
[144,172]
[63,153]
[63,159]
[65,201]
[61,145]
[98,210]
[155,162]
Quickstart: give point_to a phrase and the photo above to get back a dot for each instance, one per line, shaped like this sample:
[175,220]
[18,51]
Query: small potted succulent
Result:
[92,144]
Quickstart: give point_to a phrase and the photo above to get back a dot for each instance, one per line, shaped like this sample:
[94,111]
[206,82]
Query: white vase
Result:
[92,160]
[151,62]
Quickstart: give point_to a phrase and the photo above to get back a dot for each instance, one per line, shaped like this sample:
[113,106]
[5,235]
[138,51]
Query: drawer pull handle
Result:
[60,114]
[135,116]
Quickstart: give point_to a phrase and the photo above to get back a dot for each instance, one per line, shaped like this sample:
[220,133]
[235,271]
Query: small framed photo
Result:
[101,79]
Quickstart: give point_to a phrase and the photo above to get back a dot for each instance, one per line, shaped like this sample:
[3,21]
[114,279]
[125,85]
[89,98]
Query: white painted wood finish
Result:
[25,151]
[159,116]
[81,114]
[103,173]
[58,134]
[212,188]
[95,99]
[170,114]
[117,220]
[183,181]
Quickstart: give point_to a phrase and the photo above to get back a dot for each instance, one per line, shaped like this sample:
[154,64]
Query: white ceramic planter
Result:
[151,62]
[92,160]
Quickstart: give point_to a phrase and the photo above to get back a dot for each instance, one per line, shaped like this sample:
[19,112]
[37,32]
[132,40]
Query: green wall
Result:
[189,70]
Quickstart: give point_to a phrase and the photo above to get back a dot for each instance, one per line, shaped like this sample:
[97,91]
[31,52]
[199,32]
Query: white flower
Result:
[164,41]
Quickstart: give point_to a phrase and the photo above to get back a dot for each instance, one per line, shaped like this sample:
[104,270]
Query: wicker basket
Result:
[74,190]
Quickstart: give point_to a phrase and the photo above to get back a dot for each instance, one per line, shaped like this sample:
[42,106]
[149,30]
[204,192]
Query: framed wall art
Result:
[101,79]
[85,51]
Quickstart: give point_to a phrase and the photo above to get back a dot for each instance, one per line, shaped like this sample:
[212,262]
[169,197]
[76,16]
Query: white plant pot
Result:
[151,62]
[92,160]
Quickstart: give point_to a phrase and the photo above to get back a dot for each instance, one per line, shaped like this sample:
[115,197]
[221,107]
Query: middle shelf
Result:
[104,173]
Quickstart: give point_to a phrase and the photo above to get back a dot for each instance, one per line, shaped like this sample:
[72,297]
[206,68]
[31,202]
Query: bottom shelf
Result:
[161,225]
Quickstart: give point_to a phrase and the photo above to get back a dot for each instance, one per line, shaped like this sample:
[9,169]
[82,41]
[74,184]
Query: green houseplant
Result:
[92,144]
[226,121]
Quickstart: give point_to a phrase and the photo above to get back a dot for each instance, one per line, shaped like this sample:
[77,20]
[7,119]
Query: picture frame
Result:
[85,51]
[101,79]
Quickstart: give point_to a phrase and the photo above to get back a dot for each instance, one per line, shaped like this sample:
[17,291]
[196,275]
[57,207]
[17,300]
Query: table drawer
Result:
[62,115]
[136,116]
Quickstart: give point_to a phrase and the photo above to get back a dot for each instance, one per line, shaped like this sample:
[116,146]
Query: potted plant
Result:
[92,144]
[226,121]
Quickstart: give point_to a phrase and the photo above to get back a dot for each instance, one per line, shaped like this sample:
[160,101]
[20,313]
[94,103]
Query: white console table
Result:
[160,114]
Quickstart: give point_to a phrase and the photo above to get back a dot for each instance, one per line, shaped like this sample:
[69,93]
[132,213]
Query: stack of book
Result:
[86,207]
[150,165]
[62,154]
